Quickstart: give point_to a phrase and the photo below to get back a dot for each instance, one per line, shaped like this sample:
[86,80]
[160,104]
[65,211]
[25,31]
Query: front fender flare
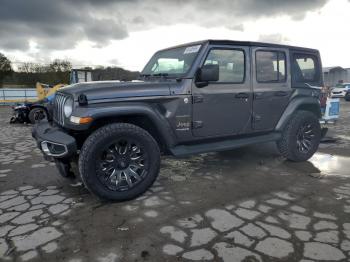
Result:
[139,109]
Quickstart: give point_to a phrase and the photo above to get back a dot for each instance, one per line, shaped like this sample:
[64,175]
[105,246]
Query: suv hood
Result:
[114,89]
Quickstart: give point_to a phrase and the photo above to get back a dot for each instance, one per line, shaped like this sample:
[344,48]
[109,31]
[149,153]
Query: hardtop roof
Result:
[244,43]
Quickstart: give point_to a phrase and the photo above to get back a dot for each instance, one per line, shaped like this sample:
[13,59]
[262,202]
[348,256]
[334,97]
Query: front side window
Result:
[231,64]
[270,66]
[172,62]
[304,68]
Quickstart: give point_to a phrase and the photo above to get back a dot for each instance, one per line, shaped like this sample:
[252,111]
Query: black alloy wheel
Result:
[122,164]
[119,161]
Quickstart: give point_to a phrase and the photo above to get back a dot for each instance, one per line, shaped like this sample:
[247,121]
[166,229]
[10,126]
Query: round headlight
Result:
[68,107]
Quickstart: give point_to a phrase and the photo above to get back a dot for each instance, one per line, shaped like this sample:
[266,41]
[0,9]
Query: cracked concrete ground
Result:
[244,205]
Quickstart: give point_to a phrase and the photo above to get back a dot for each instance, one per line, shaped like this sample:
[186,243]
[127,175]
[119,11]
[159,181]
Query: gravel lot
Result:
[243,205]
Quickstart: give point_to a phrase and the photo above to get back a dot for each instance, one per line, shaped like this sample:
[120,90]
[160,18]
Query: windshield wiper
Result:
[155,75]
[145,75]
[148,76]
[160,74]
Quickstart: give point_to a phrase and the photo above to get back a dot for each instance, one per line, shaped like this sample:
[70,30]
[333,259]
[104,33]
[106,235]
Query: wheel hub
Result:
[122,162]
[304,138]
[122,165]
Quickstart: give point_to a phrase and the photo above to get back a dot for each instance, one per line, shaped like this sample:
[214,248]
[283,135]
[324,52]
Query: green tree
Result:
[5,68]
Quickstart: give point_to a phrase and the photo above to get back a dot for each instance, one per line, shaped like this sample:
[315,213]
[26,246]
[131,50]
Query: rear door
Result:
[224,107]
[271,86]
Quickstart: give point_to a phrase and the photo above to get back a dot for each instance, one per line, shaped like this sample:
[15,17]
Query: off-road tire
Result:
[32,114]
[287,145]
[104,135]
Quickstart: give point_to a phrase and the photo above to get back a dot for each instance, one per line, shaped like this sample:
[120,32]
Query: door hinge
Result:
[197,124]
[197,99]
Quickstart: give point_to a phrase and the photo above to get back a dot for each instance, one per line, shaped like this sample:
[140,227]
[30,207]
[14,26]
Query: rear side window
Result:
[231,64]
[305,68]
[270,66]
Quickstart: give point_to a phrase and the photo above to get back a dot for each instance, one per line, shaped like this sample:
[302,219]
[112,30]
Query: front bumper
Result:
[338,94]
[53,141]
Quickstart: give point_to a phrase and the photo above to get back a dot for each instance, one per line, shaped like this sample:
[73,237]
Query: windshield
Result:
[340,86]
[171,62]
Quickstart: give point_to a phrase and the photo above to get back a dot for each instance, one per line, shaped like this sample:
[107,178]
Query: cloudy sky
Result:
[126,33]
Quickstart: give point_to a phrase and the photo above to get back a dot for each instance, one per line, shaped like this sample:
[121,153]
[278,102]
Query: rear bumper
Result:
[53,141]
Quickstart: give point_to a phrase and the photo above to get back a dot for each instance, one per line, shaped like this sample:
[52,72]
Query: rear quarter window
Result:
[305,68]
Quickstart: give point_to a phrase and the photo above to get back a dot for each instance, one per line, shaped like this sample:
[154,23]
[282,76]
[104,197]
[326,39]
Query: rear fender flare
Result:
[302,103]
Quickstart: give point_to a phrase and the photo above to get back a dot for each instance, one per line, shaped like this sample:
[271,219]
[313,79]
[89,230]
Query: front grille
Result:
[58,113]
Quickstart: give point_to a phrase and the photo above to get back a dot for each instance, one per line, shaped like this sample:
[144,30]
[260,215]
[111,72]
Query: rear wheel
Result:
[301,137]
[119,161]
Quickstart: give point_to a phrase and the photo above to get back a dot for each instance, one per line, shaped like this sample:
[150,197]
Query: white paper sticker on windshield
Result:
[192,49]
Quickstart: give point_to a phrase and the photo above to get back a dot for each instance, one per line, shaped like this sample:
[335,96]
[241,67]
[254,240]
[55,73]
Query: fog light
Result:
[53,149]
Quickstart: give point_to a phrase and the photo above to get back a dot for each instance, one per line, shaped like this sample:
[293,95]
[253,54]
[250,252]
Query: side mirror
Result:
[206,74]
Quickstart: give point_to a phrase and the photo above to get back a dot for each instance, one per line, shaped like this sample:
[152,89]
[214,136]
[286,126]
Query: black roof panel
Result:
[246,43]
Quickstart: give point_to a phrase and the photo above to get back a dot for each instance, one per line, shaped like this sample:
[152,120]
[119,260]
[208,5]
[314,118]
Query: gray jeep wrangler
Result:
[212,95]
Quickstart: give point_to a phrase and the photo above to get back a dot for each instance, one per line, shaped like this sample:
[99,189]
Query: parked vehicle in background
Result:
[340,90]
[32,112]
[212,95]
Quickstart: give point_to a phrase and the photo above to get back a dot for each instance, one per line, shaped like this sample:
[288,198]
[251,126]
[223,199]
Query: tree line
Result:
[58,71]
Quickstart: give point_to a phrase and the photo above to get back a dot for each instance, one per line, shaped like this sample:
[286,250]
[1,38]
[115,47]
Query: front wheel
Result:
[119,161]
[301,137]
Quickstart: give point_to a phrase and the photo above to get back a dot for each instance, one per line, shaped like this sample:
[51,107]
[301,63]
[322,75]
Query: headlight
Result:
[68,107]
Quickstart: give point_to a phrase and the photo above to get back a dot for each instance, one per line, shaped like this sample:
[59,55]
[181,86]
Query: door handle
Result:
[242,95]
[281,93]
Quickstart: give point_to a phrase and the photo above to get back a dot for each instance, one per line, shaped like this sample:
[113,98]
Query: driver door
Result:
[223,108]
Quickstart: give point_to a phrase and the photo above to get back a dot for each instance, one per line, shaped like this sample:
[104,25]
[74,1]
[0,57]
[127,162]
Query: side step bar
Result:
[184,150]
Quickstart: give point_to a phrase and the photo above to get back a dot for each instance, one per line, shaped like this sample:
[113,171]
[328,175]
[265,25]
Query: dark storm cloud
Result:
[55,24]
[61,24]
